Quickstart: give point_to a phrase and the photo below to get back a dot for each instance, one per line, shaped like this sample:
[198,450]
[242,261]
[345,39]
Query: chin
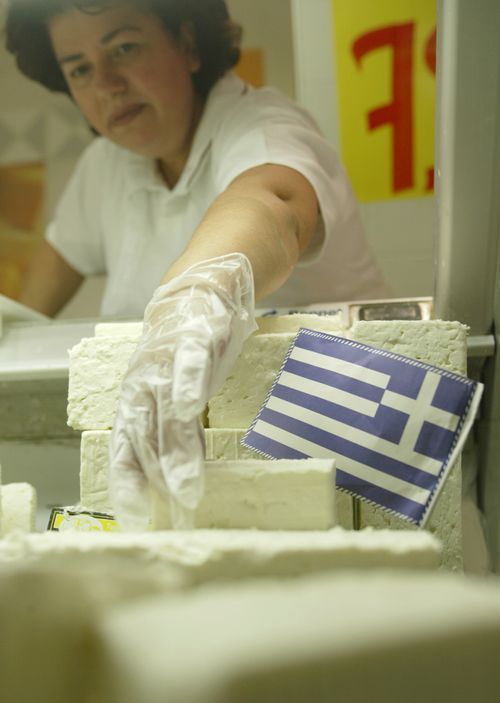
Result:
[144,145]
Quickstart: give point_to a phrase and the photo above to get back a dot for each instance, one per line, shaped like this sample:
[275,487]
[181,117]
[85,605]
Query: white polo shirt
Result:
[118,217]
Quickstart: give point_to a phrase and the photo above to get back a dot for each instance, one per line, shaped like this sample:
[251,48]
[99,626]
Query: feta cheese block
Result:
[442,344]
[223,444]
[97,366]
[19,503]
[265,323]
[94,465]
[226,445]
[263,495]
[220,444]
[172,560]
[350,638]
[437,342]
[250,380]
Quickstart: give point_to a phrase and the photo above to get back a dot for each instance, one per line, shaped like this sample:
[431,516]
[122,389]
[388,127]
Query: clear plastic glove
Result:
[194,329]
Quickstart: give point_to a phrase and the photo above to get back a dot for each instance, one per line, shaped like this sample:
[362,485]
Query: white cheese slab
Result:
[442,344]
[263,495]
[97,366]
[18,511]
[348,637]
[182,558]
[94,465]
[220,445]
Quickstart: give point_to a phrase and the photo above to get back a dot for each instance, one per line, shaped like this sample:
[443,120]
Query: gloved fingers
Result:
[191,374]
[144,440]
[182,461]
[128,485]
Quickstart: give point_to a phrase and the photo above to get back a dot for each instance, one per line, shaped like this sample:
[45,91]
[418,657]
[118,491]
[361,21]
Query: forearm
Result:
[49,282]
[257,222]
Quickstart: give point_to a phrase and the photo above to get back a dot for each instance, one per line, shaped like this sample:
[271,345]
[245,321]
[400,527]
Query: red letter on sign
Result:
[398,113]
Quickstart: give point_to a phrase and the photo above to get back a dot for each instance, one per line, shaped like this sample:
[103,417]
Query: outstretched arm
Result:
[269,214]
[194,328]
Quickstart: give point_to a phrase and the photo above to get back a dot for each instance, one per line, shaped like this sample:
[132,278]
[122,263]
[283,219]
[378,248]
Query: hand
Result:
[194,328]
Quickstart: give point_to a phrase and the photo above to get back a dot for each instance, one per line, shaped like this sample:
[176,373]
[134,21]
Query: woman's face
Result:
[132,80]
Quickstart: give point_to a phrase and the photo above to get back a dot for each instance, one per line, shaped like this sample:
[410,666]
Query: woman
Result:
[199,194]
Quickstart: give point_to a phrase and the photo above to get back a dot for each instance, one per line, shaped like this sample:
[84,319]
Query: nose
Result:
[108,80]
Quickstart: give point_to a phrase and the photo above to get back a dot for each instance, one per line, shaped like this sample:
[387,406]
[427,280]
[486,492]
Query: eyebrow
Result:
[105,40]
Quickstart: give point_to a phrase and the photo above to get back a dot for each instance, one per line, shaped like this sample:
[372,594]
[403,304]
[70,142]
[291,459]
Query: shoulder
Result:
[101,153]
[261,107]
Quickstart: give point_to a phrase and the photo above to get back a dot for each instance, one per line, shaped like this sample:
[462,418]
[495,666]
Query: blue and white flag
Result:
[393,424]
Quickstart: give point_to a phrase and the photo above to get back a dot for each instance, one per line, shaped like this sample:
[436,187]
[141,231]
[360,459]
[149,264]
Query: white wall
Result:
[401,232]
[267,25]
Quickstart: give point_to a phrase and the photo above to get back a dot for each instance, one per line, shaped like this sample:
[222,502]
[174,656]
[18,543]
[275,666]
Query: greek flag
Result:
[394,425]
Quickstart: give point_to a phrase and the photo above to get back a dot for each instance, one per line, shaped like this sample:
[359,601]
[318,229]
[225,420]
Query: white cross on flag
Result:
[394,425]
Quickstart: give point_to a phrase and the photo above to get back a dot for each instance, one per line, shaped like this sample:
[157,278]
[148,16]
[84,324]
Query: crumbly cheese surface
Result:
[220,445]
[265,495]
[97,368]
[19,503]
[94,465]
[98,365]
[441,344]
[435,342]
[205,555]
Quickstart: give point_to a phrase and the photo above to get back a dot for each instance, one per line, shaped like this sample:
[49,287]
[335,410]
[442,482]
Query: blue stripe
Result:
[452,395]
[434,441]
[387,499]
[405,378]
[387,423]
[254,440]
[353,451]
[335,380]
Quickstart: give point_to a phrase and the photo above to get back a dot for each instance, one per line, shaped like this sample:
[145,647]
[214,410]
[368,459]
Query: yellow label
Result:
[386,65]
[63,520]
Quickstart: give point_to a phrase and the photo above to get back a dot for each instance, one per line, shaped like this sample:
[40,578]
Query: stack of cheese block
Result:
[18,503]
[121,618]
[98,365]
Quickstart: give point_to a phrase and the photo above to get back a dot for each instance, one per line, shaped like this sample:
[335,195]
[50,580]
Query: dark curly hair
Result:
[217,36]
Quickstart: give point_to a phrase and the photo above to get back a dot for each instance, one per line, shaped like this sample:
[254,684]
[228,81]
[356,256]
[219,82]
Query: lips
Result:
[125,115]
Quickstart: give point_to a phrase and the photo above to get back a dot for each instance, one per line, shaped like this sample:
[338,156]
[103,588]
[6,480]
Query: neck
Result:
[171,169]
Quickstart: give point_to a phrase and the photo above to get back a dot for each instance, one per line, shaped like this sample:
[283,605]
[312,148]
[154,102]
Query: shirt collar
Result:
[143,173]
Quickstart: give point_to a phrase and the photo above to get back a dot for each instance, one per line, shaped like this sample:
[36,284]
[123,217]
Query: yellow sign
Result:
[386,66]
[64,520]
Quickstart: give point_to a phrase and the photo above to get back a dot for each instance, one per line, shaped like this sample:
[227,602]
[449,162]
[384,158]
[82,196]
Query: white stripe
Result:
[325,392]
[346,368]
[414,425]
[442,418]
[365,439]
[361,471]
